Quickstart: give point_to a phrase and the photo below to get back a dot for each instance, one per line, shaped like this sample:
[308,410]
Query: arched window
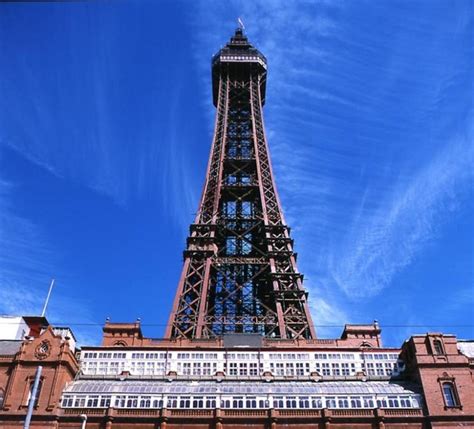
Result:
[449,393]
[437,347]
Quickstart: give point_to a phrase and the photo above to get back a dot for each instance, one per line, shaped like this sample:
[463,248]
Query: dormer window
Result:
[438,347]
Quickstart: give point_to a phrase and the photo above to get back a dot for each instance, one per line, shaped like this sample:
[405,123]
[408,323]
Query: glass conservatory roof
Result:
[234,387]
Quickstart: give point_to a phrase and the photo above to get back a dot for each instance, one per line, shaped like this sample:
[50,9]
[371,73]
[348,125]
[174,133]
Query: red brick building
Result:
[38,344]
[236,381]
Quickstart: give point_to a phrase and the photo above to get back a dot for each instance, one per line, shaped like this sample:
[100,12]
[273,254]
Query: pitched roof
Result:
[9,347]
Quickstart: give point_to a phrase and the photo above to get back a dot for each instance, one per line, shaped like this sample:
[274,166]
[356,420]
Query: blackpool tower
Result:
[239,273]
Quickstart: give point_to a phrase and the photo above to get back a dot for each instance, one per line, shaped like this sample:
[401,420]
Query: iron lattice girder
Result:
[239,271]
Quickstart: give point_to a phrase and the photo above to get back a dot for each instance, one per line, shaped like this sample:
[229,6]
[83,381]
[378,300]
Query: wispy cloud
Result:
[380,245]
[113,138]
[27,263]
[24,257]
[329,317]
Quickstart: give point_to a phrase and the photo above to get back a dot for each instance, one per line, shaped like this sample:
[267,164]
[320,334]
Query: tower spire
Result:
[239,273]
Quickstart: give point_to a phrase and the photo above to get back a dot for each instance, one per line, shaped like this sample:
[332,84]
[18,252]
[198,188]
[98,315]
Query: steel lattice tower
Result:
[239,273]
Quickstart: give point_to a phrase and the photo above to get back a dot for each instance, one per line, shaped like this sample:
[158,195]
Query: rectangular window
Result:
[343,402]
[356,402]
[368,402]
[67,401]
[132,402]
[206,368]
[172,402]
[304,401]
[405,402]
[437,347]
[196,368]
[250,402]
[291,402]
[114,368]
[198,402]
[210,402]
[120,401]
[37,395]
[393,402]
[187,368]
[450,398]
[93,401]
[105,401]
[238,402]
[278,402]
[92,368]
[145,402]
[300,368]
[79,401]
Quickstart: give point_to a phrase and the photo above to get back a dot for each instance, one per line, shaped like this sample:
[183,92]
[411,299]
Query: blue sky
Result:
[106,121]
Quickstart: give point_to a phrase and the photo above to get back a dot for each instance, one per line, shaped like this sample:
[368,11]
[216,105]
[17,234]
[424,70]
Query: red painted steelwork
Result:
[240,274]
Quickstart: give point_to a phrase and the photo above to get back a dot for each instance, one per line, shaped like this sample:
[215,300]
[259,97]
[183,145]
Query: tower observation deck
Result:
[239,273]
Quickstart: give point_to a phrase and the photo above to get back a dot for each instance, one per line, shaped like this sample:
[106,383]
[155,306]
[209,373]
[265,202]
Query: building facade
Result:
[240,349]
[27,343]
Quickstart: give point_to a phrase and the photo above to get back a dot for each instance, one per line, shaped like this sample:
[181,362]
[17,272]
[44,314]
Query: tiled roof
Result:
[9,347]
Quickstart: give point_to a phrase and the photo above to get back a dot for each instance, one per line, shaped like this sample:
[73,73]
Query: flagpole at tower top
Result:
[240,23]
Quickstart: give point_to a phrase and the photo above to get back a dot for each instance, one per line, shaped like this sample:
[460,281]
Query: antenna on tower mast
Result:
[241,24]
[47,298]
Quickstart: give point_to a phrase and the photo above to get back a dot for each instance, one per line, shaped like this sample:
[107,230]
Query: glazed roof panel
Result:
[209,387]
